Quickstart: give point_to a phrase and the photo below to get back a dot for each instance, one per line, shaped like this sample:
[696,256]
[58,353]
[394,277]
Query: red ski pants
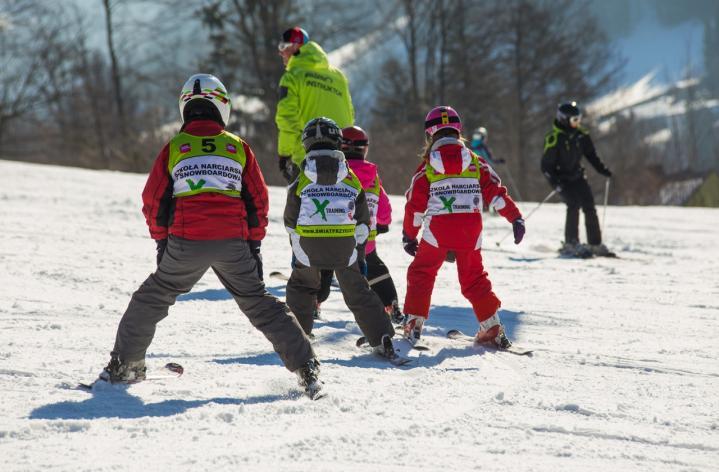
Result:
[473,280]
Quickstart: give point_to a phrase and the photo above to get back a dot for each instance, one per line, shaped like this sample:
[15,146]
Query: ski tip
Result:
[452,333]
[175,367]
[361,341]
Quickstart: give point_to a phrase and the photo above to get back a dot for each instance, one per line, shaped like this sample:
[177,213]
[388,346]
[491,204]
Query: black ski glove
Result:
[161,246]
[410,244]
[518,229]
[606,172]
[286,168]
[381,229]
[255,253]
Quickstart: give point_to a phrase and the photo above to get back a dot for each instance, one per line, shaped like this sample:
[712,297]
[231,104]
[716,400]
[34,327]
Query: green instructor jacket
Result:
[310,88]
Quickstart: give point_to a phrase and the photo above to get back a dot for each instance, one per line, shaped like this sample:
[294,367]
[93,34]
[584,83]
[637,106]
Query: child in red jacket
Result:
[446,195]
[355,143]
[206,205]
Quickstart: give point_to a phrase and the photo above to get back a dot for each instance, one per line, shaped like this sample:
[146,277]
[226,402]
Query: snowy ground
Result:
[625,374]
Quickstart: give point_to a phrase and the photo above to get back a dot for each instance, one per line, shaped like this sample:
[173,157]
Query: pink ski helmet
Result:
[442,117]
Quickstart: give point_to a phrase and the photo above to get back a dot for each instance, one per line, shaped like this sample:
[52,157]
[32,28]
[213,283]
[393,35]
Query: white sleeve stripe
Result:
[408,193]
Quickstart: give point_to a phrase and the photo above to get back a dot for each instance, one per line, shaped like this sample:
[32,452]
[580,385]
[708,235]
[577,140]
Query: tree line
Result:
[71,98]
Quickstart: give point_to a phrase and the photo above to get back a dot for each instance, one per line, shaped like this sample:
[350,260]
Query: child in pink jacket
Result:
[355,144]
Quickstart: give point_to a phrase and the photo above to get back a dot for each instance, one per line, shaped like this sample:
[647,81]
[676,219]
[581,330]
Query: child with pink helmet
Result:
[446,197]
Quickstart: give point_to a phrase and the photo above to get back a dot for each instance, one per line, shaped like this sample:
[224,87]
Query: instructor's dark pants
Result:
[577,194]
[304,285]
[182,265]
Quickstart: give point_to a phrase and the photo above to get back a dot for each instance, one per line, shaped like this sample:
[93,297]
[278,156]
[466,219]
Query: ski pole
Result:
[606,198]
[551,194]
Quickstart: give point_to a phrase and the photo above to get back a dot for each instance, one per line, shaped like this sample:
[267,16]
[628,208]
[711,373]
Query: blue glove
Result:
[361,260]
[410,244]
[255,253]
[518,229]
[362,267]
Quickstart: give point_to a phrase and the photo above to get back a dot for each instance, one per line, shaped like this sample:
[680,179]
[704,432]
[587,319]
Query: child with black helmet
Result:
[329,223]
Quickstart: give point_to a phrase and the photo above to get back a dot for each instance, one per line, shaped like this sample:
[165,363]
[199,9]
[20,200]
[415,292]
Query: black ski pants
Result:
[368,311]
[578,195]
[183,264]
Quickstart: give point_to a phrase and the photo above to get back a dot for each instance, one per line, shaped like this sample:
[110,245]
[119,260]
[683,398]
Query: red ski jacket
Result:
[205,216]
[451,207]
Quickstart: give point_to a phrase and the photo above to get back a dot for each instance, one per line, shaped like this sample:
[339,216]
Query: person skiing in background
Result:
[310,87]
[206,204]
[564,147]
[355,144]
[328,221]
[445,196]
[481,148]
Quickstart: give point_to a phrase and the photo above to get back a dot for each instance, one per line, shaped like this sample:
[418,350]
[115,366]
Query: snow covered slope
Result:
[625,375]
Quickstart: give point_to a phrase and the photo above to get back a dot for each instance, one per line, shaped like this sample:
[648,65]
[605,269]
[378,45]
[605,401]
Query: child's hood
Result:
[325,167]
[365,171]
[449,156]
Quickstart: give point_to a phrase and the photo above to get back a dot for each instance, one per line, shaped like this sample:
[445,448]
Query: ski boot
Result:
[575,249]
[308,377]
[600,250]
[124,372]
[413,325]
[394,313]
[386,349]
[491,331]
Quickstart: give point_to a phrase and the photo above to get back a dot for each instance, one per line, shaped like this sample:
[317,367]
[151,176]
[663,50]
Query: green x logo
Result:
[447,202]
[320,206]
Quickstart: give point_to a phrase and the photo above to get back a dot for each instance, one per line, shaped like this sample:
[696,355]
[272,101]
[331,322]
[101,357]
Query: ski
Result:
[457,335]
[173,369]
[362,341]
[396,360]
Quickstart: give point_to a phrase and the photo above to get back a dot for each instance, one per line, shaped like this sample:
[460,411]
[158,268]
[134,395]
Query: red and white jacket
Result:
[207,216]
[462,229]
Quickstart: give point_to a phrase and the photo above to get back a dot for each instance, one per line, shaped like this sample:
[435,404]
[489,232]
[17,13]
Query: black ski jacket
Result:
[563,151]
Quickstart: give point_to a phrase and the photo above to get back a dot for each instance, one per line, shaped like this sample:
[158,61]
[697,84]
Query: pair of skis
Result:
[173,370]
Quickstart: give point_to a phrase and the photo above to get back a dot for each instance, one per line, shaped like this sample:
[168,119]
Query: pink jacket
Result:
[367,173]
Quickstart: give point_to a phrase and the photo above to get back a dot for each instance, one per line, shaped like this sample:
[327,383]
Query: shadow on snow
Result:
[114,401]
[219,294]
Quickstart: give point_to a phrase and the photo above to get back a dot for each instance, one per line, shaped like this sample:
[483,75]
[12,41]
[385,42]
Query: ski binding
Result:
[458,335]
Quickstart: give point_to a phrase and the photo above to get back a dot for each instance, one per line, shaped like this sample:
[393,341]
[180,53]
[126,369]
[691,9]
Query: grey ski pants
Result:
[365,305]
[182,265]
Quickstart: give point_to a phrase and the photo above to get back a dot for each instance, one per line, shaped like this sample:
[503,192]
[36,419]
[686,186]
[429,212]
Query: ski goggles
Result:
[283,45]
[575,120]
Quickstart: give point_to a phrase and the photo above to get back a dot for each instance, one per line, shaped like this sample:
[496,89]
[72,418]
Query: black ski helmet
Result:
[321,133]
[567,110]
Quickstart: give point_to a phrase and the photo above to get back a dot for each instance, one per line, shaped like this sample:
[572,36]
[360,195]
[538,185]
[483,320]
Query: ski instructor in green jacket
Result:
[309,88]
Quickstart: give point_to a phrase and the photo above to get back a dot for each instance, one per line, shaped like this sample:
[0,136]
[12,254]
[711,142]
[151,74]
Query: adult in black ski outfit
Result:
[564,147]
